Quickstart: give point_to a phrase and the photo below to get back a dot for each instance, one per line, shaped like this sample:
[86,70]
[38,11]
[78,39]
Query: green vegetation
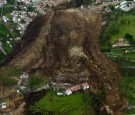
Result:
[78,3]
[4,36]
[120,24]
[12,26]
[130,112]
[1,57]
[30,9]
[128,87]
[6,77]
[37,81]
[124,24]
[6,10]
[120,53]
[62,105]
[10,2]
[9,16]
[3,31]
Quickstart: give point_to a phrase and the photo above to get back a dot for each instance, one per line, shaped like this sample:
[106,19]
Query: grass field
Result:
[119,24]
[62,105]
[129,90]
[126,25]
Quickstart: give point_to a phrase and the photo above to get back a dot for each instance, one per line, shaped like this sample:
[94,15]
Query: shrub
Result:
[129,38]
[35,82]
[6,77]
[93,100]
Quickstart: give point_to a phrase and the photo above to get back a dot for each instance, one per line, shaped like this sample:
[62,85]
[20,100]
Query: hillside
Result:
[64,45]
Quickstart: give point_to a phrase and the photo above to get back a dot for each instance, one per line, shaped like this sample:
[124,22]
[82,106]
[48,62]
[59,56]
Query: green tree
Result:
[78,3]
[129,38]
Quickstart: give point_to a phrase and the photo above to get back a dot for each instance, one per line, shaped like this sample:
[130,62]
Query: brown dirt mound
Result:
[67,47]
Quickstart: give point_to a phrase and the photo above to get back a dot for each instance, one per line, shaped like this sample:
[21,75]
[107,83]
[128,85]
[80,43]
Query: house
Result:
[5,19]
[25,1]
[68,92]
[125,6]
[75,88]
[85,86]
[120,43]
[5,2]
[72,89]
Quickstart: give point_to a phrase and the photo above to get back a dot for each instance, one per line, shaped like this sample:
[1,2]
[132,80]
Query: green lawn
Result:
[129,90]
[126,25]
[119,24]
[120,52]
[62,105]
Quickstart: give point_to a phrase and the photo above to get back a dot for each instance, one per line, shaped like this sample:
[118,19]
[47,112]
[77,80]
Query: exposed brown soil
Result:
[67,48]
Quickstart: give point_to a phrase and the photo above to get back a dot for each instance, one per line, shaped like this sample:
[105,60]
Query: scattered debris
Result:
[23,82]
[109,111]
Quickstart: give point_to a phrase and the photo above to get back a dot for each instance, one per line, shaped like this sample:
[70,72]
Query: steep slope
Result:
[67,49]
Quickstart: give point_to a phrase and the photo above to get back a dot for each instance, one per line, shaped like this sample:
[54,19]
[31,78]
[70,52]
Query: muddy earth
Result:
[64,44]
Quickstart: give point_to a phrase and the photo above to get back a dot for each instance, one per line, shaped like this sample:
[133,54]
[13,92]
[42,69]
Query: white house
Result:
[3,105]
[68,92]
[5,2]
[5,19]
[125,6]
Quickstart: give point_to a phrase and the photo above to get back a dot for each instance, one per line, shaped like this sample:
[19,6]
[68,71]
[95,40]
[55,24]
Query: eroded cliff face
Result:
[67,48]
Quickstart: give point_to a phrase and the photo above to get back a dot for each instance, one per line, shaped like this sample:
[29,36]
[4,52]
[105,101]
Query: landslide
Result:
[67,48]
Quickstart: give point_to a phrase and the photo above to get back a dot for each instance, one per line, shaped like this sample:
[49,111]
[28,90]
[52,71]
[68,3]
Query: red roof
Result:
[121,39]
[74,88]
